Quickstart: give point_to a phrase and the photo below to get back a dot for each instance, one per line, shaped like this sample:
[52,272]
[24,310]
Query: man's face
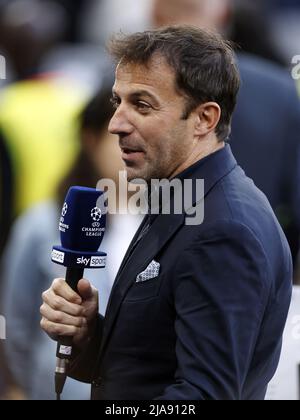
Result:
[154,138]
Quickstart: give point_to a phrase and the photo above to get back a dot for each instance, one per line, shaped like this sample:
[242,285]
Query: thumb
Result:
[85,289]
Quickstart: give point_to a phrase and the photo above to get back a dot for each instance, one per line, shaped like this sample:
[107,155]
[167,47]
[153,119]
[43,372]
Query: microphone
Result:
[82,227]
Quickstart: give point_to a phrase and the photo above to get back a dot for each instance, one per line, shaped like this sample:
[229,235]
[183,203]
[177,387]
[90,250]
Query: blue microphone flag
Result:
[82,227]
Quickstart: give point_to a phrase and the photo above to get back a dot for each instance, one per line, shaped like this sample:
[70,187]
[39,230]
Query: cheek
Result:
[158,148]
[157,137]
[165,138]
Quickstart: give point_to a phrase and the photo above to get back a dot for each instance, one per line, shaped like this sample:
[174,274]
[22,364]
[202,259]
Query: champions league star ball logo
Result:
[96,214]
[64,210]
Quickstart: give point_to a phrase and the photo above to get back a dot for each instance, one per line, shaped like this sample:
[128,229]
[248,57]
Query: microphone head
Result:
[82,227]
[83,220]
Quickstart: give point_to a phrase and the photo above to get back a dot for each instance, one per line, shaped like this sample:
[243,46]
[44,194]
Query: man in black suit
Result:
[197,310]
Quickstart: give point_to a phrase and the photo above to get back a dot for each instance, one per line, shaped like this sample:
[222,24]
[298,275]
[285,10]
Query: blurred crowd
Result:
[54,113]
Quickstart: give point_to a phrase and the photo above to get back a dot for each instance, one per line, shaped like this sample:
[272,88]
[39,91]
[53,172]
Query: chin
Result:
[136,179]
[135,174]
[145,172]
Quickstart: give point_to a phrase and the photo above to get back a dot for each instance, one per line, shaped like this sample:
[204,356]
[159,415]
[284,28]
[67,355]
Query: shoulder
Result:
[240,242]
[236,202]
[228,230]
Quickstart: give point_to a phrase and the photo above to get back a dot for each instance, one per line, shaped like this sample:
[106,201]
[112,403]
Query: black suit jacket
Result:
[210,325]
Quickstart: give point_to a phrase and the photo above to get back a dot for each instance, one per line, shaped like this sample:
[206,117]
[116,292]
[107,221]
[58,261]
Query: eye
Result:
[142,106]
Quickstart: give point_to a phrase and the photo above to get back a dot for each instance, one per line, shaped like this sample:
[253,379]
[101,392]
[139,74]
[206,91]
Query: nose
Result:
[120,124]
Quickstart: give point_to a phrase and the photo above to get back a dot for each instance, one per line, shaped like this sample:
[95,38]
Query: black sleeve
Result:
[83,365]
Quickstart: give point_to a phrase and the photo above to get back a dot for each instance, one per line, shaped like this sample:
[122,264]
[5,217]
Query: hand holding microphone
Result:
[70,306]
[69,314]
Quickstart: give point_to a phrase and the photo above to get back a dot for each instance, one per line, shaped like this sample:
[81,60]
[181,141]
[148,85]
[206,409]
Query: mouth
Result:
[131,154]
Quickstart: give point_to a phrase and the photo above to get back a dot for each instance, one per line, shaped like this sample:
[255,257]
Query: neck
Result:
[207,149]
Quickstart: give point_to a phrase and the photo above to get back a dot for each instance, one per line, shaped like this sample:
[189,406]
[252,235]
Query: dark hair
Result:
[204,65]
[95,117]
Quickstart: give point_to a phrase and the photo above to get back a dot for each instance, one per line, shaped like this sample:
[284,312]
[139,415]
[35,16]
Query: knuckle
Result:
[45,325]
[56,303]
[58,317]
[78,311]
[45,295]
[57,330]
[42,323]
[57,284]
[75,299]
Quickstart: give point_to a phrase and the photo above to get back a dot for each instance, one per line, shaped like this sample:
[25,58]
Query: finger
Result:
[59,330]
[85,289]
[62,289]
[58,317]
[58,303]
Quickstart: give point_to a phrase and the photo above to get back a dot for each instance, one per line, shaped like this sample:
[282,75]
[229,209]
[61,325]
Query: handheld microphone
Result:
[82,227]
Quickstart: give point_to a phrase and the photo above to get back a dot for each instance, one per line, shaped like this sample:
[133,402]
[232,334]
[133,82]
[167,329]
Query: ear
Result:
[207,118]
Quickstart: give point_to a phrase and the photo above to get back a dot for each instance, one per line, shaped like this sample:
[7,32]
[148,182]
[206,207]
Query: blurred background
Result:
[55,83]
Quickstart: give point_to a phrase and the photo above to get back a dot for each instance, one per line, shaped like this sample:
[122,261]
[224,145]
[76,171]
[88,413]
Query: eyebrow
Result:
[141,93]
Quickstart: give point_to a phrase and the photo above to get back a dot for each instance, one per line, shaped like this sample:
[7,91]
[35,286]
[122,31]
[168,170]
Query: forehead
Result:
[156,77]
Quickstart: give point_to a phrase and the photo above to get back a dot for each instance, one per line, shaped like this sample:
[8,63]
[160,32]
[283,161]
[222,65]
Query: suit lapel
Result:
[163,229]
